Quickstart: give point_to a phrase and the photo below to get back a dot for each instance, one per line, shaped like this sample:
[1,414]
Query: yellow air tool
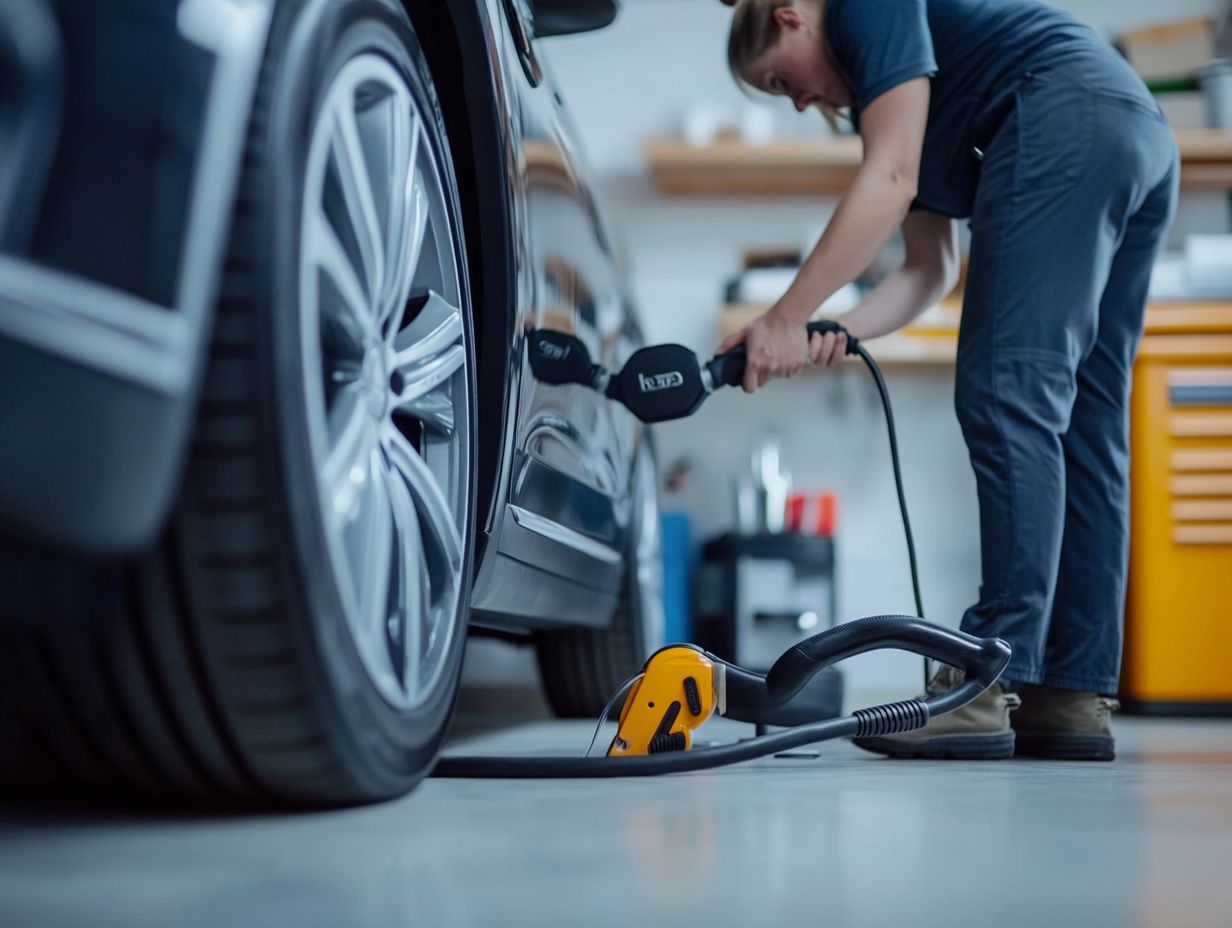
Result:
[682,686]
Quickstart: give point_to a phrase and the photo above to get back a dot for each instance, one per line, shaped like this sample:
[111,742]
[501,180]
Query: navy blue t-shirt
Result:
[975,51]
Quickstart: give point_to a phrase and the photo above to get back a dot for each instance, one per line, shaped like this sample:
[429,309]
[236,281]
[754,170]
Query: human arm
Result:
[876,204]
[928,273]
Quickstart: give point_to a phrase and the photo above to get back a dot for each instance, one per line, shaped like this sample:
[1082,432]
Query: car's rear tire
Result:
[297,635]
[582,668]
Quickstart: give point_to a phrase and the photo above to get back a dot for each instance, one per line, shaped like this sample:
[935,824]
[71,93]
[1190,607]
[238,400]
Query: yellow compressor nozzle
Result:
[678,691]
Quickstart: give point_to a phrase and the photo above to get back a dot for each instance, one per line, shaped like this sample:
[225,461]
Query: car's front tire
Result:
[297,635]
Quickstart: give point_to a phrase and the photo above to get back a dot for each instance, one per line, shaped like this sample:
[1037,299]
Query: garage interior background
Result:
[635,81]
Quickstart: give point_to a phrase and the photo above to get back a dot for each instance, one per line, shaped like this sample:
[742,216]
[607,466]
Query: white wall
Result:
[631,82]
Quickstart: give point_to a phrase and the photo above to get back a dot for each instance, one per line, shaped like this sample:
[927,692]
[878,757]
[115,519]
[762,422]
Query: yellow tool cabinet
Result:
[1178,623]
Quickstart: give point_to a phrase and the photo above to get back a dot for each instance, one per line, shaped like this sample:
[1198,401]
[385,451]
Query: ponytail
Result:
[753,31]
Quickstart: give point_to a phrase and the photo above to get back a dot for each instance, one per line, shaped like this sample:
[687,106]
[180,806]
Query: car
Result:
[270,442]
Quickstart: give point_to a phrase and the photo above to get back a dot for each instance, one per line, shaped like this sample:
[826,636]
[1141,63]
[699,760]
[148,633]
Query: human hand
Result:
[777,347]
[828,348]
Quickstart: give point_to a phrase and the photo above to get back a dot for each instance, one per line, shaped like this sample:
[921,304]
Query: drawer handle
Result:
[1200,394]
[1202,485]
[1202,510]
[1201,459]
[1204,426]
[1202,534]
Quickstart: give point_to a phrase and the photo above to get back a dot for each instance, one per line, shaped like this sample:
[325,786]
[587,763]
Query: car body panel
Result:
[102,341]
[106,304]
[571,454]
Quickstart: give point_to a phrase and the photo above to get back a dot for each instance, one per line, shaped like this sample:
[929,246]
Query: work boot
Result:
[1063,724]
[980,730]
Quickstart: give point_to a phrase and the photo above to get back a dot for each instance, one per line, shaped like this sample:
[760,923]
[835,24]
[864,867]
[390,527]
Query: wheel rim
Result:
[386,376]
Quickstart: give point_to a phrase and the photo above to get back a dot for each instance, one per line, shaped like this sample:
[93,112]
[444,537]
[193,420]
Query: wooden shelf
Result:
[1206,159]
[822,167]
[825,167]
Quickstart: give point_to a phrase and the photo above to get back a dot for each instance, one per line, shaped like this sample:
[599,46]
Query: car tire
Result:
[296,637]
[582,668]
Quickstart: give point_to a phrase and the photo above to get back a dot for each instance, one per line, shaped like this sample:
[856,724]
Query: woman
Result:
[1016,116]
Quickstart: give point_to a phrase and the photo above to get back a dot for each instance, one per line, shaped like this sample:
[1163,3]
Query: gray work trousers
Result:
[1077,189]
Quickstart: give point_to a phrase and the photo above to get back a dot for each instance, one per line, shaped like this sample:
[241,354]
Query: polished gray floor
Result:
[842,839]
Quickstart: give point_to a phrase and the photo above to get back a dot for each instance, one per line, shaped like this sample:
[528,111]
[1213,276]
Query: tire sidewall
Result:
[397,744]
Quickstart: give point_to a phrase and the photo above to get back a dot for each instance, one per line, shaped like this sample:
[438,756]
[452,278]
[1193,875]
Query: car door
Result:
[573,448]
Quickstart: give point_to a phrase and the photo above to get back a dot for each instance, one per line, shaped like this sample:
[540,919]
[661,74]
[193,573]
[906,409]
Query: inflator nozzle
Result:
[658,383]
[727,370]
[558,358]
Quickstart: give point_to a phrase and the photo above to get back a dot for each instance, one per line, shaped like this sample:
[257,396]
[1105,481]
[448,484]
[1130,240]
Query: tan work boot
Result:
[1064,724]
[980,730]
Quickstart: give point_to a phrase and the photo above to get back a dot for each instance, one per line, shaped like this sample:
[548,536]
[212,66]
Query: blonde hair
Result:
[753,32]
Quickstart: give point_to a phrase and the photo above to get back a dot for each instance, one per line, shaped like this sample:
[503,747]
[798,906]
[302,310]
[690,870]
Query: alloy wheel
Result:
[386,375]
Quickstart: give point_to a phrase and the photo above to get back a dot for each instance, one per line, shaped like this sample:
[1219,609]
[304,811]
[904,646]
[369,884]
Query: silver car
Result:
[268,436]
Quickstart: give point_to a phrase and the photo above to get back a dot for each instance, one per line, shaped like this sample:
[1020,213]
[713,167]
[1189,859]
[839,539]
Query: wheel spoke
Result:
[429,386]
[351,435]
[433,410]
[409,222]
[357,193]
[427,354]
[436,517]
[412,585]
[427,626]
[437,327]
[353,315]
[376,560]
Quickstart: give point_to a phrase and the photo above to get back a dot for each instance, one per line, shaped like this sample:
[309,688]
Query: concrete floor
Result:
[843,839]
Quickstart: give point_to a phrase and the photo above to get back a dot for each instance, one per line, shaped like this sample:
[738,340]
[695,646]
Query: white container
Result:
[757,124]
[702,123]
[1216,78]
[749,516]
[773,486]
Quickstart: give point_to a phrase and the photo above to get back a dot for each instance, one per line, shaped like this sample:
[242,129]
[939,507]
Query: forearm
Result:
[894,302]
[867,216]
